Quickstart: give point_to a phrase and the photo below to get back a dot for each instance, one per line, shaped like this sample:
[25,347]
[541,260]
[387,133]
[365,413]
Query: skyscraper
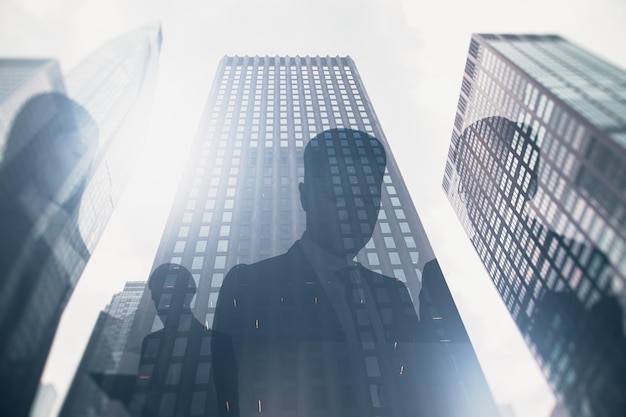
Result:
[103,352]
[537,175]
[65,158]
[240,202]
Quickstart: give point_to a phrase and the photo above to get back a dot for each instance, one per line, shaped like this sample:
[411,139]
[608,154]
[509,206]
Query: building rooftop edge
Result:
[520,36]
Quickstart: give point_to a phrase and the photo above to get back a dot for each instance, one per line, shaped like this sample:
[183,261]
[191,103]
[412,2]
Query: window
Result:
[220,262]
[167,404]
[180,345]
[197,263]
[394,258]
[371,366]
[222,245]
[213,299]
[201,246]
[152,348]
[173,374]
[145,373]
[185,322]
[164,301]
[372,258]
[203,372]
[179,246]
[205,346]
[170,281]
[198,400]
[218,278]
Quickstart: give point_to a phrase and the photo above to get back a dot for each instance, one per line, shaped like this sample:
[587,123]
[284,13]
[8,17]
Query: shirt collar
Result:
[323,261]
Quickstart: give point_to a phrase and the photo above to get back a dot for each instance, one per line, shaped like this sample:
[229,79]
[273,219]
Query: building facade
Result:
[103,352]
[239,203]
[537,175]
[65,158]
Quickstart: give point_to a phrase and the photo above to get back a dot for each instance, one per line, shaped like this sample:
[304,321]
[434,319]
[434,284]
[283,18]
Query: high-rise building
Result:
[65,158]
[103,352]
[537,175]
[240,202]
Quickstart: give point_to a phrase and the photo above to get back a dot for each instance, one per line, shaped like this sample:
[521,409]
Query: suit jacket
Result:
[286,345]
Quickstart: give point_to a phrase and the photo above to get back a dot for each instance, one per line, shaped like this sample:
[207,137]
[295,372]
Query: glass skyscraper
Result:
[537,175]
[66,156]
[239,205]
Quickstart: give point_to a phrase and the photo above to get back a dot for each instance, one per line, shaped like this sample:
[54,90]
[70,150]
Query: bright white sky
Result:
[410,54]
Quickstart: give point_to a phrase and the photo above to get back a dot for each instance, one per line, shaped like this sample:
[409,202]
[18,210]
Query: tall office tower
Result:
[103,352]
[64,163]
[537,174]
[239,203]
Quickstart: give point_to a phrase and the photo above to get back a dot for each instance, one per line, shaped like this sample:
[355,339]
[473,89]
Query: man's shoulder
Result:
[279,267]
[391,287]
[263,267]
[376,278]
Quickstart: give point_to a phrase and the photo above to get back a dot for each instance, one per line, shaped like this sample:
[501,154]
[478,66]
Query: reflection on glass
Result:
[565,301]
[44,169]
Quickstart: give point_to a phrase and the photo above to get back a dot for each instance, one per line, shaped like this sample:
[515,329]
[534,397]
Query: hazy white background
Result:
[410,55]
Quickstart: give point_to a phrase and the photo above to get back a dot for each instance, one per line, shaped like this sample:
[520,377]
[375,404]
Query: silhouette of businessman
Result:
[565,325]
[175,360]
[43,172]
[311,332]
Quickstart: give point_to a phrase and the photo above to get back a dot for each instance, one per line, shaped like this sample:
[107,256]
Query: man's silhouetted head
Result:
[172,288]
[51,144]
[343,172]
[502,141]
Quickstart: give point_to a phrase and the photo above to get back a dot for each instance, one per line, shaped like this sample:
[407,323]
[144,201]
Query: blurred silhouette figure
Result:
[43,171]
[175,360]
[592,344]
[311,332]
[579,338]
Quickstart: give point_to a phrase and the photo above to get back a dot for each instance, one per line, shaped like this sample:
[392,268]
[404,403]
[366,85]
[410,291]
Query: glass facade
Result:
[65,159]
[536,175]
[103,352]
[239,207]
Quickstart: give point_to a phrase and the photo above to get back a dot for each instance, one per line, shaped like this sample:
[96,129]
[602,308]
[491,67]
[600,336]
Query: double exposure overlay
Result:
[294,277]
[536,172]
[65,156]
